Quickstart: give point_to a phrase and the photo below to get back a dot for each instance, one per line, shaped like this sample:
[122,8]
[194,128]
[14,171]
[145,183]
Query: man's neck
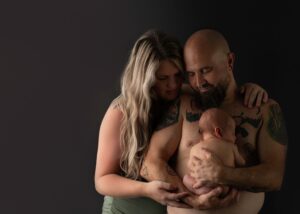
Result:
[231,94]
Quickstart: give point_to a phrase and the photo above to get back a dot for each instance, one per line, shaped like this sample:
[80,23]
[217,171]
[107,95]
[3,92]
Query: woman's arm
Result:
[107,178]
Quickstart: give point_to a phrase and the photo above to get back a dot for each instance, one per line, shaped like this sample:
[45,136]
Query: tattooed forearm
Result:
[276,125]
[170,171]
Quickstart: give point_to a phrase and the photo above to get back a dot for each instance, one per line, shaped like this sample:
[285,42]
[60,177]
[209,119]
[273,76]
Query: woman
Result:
[151,80]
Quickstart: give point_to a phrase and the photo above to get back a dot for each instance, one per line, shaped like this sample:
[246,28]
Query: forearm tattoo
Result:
[170,170]
[276,125]
[170,117]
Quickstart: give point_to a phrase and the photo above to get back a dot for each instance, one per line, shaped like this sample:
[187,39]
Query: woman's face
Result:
[168,81]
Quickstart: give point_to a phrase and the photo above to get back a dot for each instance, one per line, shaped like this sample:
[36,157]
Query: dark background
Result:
[60,63]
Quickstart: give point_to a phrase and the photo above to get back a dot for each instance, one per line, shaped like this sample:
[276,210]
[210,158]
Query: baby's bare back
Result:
[222,149]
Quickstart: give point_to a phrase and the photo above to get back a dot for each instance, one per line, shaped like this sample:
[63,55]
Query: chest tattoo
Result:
[192,117]
[243,119]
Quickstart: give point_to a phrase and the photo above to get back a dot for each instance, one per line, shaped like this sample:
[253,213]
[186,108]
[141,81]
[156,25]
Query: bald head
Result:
[207,40]
[216,118]
[209,64]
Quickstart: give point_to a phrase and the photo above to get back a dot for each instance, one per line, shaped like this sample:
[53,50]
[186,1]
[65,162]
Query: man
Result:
[261,134]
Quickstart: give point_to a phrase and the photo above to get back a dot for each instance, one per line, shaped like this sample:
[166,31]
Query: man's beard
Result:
[212,98]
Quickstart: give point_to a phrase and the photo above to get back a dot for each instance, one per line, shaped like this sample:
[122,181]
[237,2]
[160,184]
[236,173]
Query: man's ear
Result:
[230,58]
[218,132]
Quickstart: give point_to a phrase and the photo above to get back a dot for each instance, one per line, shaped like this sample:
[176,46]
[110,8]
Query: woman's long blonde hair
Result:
[135,100]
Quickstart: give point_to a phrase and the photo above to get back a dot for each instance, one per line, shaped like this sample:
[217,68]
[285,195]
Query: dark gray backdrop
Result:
[60,63]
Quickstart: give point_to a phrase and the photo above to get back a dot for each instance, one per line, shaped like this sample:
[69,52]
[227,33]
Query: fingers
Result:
[214,192]
[238,196]
[177,196]
[262,97]
[251,98]
[259,98]
[174,200]
[198,184]
[247,96]
[208,155]
[265,97]
[254,96]
[167,186]
[231,198]
[235,194]
[177,204]
[242,89]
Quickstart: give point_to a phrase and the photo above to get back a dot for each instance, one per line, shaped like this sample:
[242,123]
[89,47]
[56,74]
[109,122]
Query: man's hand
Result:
[207,170]
[213,199]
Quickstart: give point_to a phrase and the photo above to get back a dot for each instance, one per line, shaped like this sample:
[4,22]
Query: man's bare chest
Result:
[248,123]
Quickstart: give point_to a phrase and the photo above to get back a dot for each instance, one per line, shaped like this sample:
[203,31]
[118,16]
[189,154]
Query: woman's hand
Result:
[212,199]
[164,193]
[254,95]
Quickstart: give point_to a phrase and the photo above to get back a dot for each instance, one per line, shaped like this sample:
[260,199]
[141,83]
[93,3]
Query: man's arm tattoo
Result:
[276,125]
[242,119]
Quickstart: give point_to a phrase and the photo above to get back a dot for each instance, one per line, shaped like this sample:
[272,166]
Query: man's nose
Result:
[200,80]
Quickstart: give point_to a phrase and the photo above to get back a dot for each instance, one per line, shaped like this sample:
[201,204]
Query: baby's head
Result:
[218,123]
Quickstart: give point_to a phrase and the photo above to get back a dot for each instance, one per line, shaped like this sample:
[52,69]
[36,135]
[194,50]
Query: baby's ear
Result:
[218,132]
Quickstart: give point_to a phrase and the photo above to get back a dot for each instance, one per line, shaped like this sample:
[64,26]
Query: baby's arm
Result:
[239,160]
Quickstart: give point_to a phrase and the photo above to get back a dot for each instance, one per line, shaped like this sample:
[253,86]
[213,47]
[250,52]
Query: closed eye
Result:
[206,70]
[190,74]
[162,77]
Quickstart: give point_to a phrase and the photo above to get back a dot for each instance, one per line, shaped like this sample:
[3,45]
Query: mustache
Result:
[205,86]
[212,98]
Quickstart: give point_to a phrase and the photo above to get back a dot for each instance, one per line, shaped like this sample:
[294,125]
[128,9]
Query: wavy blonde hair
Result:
[136,98]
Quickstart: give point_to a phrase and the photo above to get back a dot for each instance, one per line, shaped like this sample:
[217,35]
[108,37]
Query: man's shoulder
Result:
[169,116]
[239,104]
[270,104]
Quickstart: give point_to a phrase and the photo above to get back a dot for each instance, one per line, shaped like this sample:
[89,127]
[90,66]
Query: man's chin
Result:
[204,91]
[207,100]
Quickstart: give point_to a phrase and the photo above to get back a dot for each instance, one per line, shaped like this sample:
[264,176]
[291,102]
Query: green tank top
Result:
[140,205]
